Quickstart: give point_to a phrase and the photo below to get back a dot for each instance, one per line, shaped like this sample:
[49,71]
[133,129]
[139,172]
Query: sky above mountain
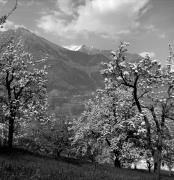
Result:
[146,24]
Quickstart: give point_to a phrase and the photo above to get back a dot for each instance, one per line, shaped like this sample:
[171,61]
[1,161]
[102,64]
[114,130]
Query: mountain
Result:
[89,50]
[69,71]
[72,75]
[107,53]
[85,49]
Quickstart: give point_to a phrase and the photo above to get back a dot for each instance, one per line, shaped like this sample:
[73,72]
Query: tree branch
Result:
[155,119]
[4,18]
[17,94]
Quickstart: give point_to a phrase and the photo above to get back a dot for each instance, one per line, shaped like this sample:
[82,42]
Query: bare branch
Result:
[145,92]
[3,18]
[17,94]
[124,80]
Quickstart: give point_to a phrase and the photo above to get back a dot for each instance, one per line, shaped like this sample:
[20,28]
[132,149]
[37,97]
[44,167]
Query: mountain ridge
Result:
[70,73]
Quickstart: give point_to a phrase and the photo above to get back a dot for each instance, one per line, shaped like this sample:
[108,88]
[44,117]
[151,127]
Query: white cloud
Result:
[144,54]
[162,35]
[31,2]
[3,1]
[152,29]
[70,6]
[10,25]
[111,17]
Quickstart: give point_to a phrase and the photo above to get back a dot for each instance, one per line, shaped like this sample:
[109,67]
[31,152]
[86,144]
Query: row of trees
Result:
[132,116]
[129,120]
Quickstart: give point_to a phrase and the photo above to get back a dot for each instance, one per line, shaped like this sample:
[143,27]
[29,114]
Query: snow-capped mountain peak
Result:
[73,47]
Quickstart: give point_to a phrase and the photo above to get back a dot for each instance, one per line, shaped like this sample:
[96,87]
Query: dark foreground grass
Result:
[27,166]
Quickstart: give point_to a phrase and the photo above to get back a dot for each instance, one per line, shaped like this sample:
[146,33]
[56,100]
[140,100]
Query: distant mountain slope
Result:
[72,75]
[69,71]
[107,53]
[89,50]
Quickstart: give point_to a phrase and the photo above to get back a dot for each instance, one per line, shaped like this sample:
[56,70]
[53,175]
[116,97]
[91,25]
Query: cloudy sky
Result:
[147,24]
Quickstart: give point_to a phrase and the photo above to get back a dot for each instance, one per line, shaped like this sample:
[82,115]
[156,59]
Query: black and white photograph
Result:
[86,89]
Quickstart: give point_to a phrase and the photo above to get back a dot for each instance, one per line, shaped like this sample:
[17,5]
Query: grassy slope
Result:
[22,165]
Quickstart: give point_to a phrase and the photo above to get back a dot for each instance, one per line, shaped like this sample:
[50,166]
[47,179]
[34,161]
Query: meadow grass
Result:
[28,166]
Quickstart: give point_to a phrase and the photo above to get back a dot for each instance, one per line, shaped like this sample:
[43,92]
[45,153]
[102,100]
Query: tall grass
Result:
[24,166]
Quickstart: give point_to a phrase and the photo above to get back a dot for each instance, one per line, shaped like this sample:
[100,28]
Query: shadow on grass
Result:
[24,164]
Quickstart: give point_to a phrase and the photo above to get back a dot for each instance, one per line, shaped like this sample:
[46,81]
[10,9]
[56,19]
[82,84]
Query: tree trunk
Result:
[158,169]
[149,166]
[170,170]
[10,133]
[157,163]
[58,153]
[117,163]
[149,169]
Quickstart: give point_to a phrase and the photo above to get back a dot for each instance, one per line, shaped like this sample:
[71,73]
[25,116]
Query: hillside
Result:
[23,165]
[69,71]
[72,75]
[132,57]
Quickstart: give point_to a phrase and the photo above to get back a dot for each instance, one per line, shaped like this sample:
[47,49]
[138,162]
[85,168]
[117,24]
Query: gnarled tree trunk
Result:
[117,162]
[10,133]
[158,158]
